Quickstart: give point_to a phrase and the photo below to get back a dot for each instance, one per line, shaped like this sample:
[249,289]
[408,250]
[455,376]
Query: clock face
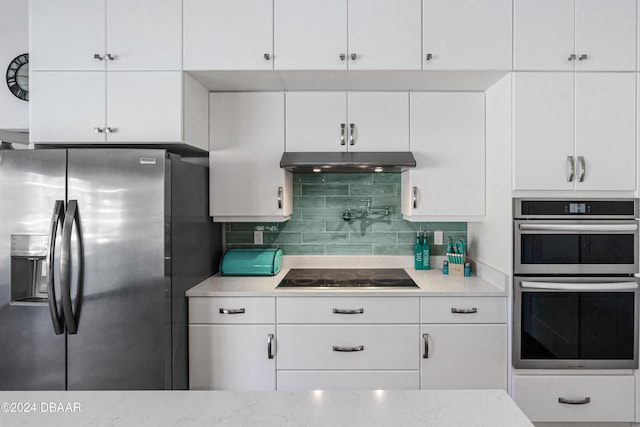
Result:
[18,76]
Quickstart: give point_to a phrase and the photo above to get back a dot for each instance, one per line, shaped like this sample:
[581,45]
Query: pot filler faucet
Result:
[348,214]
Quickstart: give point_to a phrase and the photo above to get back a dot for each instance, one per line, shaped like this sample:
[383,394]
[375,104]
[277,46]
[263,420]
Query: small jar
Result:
[445,267]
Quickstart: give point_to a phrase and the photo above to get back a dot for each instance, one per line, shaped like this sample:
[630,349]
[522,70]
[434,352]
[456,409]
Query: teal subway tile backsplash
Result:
[317,228]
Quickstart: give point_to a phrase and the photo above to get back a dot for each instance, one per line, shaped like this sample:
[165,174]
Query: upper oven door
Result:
[575,247]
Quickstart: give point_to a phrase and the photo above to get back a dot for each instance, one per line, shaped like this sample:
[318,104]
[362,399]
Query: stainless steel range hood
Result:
[347,161]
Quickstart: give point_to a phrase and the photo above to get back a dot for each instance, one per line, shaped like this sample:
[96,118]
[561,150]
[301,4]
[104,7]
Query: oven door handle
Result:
[617,286]
[606,228]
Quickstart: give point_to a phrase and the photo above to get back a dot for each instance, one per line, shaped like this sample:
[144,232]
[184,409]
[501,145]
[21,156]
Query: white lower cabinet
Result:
[232,343]
[464,357]
[596,398]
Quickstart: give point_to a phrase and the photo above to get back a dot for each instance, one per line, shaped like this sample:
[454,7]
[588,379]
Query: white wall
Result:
[491,239]
[14,40]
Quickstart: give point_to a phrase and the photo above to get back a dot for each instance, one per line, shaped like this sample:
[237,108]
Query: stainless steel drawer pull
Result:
[110,57]
[269,346]
[574,402]
[425,337]
[232,311]
[342,311]
[583,168]
[572,57]
[98,57]
[583,57]
[464,310]
[98,130]
[348,349]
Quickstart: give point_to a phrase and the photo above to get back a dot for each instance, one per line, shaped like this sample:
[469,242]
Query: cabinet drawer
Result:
[232,310]
[611,397]
[348,310]
[348,380]
[372,347]
[463,310]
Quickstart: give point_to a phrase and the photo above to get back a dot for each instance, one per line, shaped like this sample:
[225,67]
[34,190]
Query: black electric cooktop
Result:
[347,278]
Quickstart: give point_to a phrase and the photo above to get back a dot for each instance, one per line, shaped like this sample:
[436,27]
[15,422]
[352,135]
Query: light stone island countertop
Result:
[431,282]
[432,408]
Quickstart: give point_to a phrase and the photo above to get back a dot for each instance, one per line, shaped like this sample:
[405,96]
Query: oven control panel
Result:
[555,208]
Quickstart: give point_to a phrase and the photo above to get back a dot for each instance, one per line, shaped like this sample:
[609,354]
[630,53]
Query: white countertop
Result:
[430,282]
[441,408]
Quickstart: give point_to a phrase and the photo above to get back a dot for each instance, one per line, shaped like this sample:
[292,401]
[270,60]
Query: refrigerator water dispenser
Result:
[29,269]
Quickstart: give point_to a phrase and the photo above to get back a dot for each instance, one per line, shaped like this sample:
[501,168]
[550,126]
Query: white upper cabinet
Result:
[90,107]
[310,34]
[581,35]
[466,34]
[228,34]
[340,121]
[347,34]
[247,141]
[574,141]
[99,34]
[448,142]
[384,35]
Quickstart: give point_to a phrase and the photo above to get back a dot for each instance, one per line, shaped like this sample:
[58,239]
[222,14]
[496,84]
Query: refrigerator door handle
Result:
[56,219]
[70,219]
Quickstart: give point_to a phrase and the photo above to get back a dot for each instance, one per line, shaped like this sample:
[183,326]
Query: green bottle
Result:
[417,253]
[426,253]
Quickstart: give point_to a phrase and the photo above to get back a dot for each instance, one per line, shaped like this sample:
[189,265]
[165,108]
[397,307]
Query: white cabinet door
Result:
[310,34]
[606,34]
[466,34]
[247,140]
[543,129]
[66,107]
[378,121]
[231,357]
[463,357]
[543,35]
[606,131]
[448,140]
[144,107]
[228,34]
[143,35]
[66,34]
[384,34]
[316,121]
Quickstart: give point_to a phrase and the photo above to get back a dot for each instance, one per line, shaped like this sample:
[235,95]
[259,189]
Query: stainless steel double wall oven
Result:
[575,289]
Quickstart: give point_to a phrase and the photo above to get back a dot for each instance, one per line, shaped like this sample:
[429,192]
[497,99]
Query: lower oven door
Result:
[575,322]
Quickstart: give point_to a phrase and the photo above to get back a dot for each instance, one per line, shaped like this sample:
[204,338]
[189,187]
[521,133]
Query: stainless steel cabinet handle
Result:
[583,168]
[572,57]
[583,57]
[343,57]
[352,134]
[109,57]
[280,197]
[348,349]
[342,311]
[232,311]
[425,337]
[343,127]
[98,130]
[110,130]
[267,56]
[269,346]
[56,219]
[354,56]
[574,402]
[572,165]
[414,191]
[464,311]
[98,57]
[71,218]
[429,57]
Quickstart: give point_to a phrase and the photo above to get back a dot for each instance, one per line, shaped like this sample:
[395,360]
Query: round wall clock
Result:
[18,76]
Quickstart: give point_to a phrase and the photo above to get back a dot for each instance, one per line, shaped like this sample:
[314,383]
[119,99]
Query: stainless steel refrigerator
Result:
[97,247]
